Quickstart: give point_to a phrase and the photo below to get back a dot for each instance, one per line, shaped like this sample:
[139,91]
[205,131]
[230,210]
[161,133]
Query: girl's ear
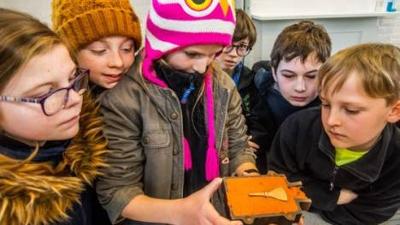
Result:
[394,114]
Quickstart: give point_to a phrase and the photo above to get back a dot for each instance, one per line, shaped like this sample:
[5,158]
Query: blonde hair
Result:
[22,37]
[377,65]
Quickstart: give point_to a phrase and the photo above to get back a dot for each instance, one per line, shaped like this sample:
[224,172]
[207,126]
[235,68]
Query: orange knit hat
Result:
[80,22]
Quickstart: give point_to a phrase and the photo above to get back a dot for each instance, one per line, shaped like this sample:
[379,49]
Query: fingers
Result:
[219,220]
[236,222]
[346,196]
[350,193]
[211,187]
[252,174]
[253,145]
[301,221]
[271,173]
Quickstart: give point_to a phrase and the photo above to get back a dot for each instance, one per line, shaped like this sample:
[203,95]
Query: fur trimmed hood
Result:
[34,193]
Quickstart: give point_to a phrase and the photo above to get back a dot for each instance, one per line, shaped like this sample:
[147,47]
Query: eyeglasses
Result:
[241,49]
[57,99]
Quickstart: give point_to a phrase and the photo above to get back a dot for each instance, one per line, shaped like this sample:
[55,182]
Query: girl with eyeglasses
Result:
[51,144]
[174,123]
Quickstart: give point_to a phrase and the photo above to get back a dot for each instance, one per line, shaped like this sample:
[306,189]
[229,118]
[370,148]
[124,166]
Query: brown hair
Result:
[377,65]
[22,37]
[244,28]
[300,40]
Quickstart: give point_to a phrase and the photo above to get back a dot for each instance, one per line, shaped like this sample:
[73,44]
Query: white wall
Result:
[41,9]
[387,29]
[313,7]
[344,32]
[38,8]
[348,22]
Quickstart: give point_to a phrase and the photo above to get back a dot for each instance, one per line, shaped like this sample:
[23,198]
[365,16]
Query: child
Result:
[45,176]
[347,154]
[174,123]
[231,58]
[103,34]
[289,84]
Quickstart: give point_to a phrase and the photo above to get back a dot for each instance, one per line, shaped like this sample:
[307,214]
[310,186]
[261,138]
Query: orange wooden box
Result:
[248,208]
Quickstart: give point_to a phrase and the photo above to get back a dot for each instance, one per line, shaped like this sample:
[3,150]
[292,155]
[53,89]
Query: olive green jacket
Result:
[143,124]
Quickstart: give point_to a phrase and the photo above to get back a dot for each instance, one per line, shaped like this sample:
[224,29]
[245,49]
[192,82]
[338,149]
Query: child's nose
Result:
[333,118]
[201,65]
[74,98]
[115,60]
[300,85]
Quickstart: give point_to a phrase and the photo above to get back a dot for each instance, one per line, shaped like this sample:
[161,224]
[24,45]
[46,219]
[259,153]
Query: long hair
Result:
[22,37]
[90,138]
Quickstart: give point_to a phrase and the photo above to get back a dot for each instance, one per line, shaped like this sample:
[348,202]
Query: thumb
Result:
[236,222]
[212,187]
[223,221]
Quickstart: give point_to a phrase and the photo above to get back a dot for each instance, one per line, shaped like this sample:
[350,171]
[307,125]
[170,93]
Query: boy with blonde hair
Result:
[347,153]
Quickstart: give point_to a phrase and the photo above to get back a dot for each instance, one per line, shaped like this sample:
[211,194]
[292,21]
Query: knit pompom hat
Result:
[81,22]
[175,24]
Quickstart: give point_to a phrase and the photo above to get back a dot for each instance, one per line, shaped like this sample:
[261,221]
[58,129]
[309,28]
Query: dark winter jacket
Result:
[270,109]
[243,78]
[302,150]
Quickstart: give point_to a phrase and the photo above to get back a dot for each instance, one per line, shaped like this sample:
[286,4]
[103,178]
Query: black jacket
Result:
[301,150]
[88,211]
[269,110]
[247,90]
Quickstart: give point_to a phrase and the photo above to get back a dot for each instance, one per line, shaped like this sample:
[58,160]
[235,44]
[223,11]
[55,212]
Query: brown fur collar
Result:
[40,194]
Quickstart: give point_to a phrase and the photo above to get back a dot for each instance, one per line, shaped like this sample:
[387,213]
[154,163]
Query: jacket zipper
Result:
[332,182]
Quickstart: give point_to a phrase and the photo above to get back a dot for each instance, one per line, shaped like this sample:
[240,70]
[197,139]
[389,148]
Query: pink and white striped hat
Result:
[176,24]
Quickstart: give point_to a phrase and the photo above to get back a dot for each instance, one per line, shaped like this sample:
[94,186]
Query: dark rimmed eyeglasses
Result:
[57,99]
[241,49]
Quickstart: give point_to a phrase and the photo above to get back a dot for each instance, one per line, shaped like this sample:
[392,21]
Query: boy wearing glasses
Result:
[231,57]
[289,83]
